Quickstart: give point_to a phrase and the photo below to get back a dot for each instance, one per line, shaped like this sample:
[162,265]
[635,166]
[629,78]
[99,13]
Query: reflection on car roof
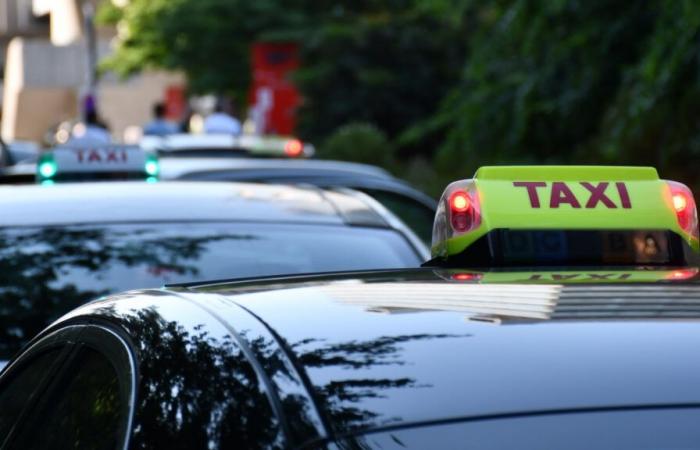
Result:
[176,167]
[79,203]
[475,349]
[374,345]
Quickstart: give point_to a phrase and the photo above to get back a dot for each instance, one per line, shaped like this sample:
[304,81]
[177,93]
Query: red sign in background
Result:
[175,102]
[273,98]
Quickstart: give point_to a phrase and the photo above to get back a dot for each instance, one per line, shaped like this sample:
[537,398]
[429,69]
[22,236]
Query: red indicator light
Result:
[293,147]
[459,202]
[680,203]
[462,208]
[466,276]
[683,205]
[682,274]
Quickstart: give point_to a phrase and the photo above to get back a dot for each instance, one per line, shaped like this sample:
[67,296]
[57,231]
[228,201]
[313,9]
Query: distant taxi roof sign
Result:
[550,215]
[254,145]
[95,162]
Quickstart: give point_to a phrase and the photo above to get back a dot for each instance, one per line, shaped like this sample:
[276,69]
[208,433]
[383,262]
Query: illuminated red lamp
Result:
[466,276]
[680,202]
[460,211]
[459,202]
[682,274]
[293,148]
[683,203]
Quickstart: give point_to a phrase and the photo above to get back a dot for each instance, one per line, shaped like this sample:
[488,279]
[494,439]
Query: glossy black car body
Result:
[415,359]
[66,244]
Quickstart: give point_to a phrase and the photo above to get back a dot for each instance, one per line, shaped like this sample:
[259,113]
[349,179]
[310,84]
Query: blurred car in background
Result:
[66,244]
[412,206]
[272,159]
[278,159]
[261,160]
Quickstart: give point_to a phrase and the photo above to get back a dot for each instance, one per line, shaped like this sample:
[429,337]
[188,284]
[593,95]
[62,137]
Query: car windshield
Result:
[47,271]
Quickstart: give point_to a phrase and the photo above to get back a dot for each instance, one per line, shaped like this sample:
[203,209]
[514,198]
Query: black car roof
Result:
[70,203]
[387,349]
[317,178]
[178,167]
[323,173]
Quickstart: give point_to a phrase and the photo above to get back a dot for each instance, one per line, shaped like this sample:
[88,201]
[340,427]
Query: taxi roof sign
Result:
[91,162]
[566,214]
[254,145]
[566,173]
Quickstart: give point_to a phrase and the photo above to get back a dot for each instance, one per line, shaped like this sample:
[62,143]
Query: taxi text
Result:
[561,193]
[102,156]
[579,276]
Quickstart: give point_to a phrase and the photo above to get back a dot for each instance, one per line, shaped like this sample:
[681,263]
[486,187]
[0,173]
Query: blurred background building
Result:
[17,20]
[430,90]
[45,71]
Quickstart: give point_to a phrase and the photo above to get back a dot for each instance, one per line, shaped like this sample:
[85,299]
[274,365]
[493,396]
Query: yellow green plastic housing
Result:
[566,198]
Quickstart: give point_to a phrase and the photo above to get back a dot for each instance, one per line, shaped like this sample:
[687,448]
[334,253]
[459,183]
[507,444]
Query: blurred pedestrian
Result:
[191,122]
[4,154]
[90,132]
[184,125]
[222,121]
[159,126]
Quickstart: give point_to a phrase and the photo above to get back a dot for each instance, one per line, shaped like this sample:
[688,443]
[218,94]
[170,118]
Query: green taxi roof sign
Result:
[566,215]
[566,173]
[96,162]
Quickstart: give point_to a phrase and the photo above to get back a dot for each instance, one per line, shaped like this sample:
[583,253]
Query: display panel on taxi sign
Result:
[572,276]
[603,247]
[557,214]
[111,160]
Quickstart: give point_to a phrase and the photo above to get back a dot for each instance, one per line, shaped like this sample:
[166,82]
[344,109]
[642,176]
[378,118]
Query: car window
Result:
[672,429]
[46,272]
[414,214]
[86,409]
[17,392]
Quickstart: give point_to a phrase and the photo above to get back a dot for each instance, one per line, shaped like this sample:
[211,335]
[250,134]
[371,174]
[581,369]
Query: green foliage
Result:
[359,142]
[466,82]
[209,40]
[600,81]
[538,81]
[108,14]
[384,62]
[389,68]
[653,118]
